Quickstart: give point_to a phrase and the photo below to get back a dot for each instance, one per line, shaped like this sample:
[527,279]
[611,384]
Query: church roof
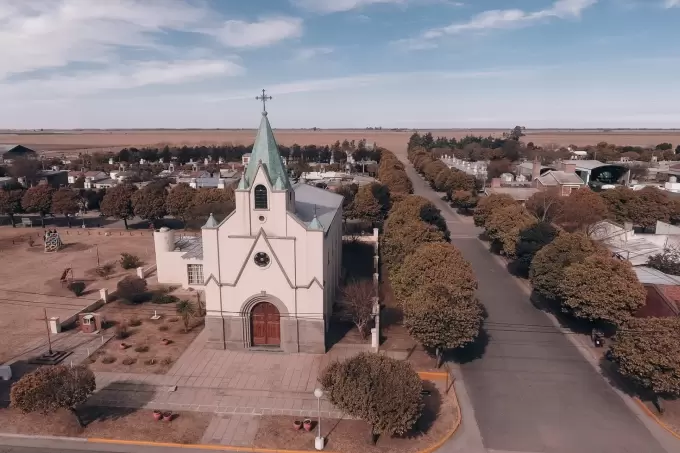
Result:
[266,151]
[316,207]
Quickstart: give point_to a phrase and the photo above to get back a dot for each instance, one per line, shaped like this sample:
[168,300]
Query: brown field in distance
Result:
[65,141]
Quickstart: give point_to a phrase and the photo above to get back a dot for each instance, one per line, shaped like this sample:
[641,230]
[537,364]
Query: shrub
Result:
[121,331]
[128,261]
[160,298]
[142,348]
[105,270]
[173,319]
[77,288]
[135,322]
[48,389]
[108,359]
[187,311]
[382,391]
[132,289]
[163,328]
[167,361]
[151,361]
[129,361]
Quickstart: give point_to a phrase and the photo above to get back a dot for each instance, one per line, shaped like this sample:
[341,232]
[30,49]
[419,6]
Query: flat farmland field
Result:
[69,142]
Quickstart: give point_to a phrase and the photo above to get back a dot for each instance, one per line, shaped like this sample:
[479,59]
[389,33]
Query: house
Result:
[89,176]
[245,159]
[663,293]
[102,183]
[598,175]
[11,152]
[270,270]
[564,180]
[53,178]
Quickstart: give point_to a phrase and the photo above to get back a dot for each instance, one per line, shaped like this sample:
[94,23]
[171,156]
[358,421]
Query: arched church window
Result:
[261,197]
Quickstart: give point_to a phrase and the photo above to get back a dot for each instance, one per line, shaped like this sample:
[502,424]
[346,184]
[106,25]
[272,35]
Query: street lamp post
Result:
[318,441]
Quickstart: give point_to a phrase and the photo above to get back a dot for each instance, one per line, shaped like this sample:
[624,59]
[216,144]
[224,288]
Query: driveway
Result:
[531,389]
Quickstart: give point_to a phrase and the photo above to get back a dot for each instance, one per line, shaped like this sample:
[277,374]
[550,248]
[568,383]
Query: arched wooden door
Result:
[265,325]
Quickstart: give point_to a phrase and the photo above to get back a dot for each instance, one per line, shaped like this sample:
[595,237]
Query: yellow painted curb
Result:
[656,419]
[194,446]
[435,375]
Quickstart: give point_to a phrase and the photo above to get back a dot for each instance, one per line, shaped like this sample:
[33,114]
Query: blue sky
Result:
[339,63]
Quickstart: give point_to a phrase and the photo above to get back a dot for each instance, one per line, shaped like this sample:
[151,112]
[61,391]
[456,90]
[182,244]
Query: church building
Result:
[270,270]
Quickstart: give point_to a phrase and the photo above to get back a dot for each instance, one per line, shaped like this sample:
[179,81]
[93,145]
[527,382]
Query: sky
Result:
[339,63]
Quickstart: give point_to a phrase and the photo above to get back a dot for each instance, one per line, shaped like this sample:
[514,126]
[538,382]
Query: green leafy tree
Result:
[384,392]
[179,201]
[547,267]
[582,210]
[618,202]
[117,202]
[647,352]
[530,241]
[464,200]
[649,206]
[504,225]
[441,318]
[149,203]
[38,199]
[602,289]
[187,311]
[65,202]
[458,181]
[545,205]
[417,207]
[667,261]
[218,202]
[487,205]
[441,180]
[10,203]
[434,262]
[48,389]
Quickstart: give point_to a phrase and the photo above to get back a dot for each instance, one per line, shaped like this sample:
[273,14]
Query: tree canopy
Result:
[66,202]
[117,202]
[38,199]
[487,205]
[503,227]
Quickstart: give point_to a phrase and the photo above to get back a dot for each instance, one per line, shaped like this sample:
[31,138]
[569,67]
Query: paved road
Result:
[531,390]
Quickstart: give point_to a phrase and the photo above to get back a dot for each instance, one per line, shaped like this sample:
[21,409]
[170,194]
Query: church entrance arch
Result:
[265,325]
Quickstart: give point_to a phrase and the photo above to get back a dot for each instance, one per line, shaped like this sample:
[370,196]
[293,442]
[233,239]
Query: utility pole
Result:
[47,326]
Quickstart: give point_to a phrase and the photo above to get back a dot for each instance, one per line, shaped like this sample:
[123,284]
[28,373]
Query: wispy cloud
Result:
[337,6]
[310,53]
[240,34]
[671,3]
[499,19]
[126,76]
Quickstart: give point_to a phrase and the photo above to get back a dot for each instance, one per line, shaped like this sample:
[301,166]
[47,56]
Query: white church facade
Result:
[270,270]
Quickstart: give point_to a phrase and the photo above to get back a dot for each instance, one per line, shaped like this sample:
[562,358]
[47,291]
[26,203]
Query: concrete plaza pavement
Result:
[531,390]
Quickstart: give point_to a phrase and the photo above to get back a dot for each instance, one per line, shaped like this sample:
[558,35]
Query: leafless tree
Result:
[356,304]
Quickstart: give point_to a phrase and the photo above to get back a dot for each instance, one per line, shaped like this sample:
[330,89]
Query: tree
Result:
[667,261]
[545,205]
[65,202]
[464,200]
[149,203]
[38,199]
[440,318]
[48,389]
[497,167]
[435,262]
[382,391]
[677,149]
[457,181]
[488,204]
[417,207]
[118,202]
[79,183]
[187,311]
[664,146]
[25,168]
[531,240]
[548,265]
[582,210]
[397,181]
[179,201]
[649,206]
[10,203]
[503,227]
[365,206]
[647,351]
[357,303]
[602,289]
[401,237]
[619,202]
[516,133]
[218,202]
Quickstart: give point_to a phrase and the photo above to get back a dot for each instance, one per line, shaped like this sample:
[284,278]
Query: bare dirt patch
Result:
[144,352]
[352,436]
[108,423]
[30,280]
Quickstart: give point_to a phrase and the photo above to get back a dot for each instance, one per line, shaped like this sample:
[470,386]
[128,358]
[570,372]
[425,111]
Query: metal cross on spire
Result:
[264,98]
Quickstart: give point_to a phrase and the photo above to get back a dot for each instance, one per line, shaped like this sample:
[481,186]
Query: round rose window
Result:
[262,259]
